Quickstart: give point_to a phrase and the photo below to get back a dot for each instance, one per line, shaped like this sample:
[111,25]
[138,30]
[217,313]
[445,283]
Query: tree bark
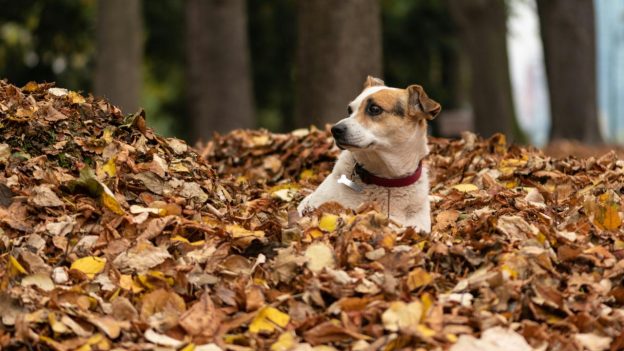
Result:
[339,44]
[119,53]
[218,70]
[569,39]
[482,30]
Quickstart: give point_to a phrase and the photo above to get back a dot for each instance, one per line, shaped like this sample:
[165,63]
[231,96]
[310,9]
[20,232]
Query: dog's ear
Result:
[418,101]
[372,82]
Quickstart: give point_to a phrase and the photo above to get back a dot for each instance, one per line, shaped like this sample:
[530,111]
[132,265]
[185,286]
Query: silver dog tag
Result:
[348,182]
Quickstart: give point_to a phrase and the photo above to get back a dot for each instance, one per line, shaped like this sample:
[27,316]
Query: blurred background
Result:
[537,70]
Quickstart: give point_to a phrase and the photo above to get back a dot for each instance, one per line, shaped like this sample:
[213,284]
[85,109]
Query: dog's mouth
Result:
[344,146]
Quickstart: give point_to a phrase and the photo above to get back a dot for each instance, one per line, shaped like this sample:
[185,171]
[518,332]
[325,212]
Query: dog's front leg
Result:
[324,193]
[419,219]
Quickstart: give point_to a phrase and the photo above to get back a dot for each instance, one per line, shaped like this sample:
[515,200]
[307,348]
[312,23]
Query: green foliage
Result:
[163,71]
[420,46]
[47,41]
[272,37]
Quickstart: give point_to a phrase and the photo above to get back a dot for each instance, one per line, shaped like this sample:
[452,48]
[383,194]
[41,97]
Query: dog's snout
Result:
[339,130]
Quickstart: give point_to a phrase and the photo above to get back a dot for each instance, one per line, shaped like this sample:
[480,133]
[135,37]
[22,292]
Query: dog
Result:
[384,141]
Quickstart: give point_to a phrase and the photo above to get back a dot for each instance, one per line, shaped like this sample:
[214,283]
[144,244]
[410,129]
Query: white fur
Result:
[381,154]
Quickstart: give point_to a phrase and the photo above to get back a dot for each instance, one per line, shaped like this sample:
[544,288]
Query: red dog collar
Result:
[369,178]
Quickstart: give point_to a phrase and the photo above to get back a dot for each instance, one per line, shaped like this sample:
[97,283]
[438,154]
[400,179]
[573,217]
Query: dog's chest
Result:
[396,200]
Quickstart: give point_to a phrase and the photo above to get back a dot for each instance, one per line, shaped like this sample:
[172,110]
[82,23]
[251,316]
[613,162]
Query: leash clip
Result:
[348,182]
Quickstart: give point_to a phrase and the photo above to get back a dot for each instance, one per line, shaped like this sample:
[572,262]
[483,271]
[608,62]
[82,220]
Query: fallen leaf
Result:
[43,196]
[42,281]
[465,188]
[202,318]
[89,265]
[328,222]
[267,319]
[493,339]
[418,278]
[161,339]
[402,316]
[593,342]
[319,256]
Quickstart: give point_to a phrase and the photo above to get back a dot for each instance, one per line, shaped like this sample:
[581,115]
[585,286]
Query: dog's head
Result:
[383,118]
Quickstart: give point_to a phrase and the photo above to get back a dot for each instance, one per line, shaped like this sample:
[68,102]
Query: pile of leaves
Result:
[112,237]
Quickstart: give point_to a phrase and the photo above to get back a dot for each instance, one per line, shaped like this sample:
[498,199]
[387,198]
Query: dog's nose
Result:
[338,130]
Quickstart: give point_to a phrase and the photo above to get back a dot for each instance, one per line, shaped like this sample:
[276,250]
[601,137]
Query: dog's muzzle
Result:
[339,132]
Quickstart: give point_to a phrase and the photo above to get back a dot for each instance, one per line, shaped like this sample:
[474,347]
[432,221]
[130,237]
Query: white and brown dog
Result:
[384,139]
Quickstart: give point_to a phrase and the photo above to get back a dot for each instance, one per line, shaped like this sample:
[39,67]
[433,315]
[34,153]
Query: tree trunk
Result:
[218,72]
[482,32]
[119,53]
[569,39]
[339,44]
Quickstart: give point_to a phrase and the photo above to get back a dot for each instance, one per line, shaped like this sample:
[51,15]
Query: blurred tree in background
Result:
[218,70]
[338,45]
[282,64]
[119,53]
[569,38]
[482,33]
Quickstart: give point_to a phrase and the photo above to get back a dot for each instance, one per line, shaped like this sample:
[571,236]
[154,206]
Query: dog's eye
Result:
[374,110]
[349,110]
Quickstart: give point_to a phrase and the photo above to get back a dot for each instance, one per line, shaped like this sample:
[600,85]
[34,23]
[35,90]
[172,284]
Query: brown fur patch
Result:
[387,99]
[394,104]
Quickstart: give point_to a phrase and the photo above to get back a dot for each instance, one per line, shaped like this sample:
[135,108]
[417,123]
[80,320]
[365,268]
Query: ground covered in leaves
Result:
[112,237]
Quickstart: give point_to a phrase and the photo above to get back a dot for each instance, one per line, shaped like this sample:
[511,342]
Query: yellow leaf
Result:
[425,331]
[388,241]
[451,337]
[30,87]
[127,283]
[260,140]
[76,98]
[306,174]
[465,188]
[427,302]
[57,326]
[515,162]
[110,202]
[328,222]
[239,232]
[402,316]
[313,233]
[285,342]
[541,238]
[511,184]
[107,136]
[608,217]
[509,272]
[234,338]
[287,186]
[189,347]
[500,146]
[417,278]
[16,265]
[89,265]
[180,239]
[267,318]
[178,167]
[109,167]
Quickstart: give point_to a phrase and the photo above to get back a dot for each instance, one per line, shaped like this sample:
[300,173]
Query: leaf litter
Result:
[113,237]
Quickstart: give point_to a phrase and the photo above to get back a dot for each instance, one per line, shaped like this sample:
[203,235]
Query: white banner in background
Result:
[528,74]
